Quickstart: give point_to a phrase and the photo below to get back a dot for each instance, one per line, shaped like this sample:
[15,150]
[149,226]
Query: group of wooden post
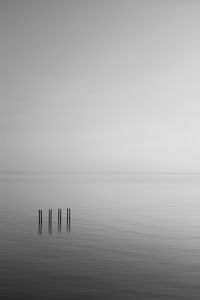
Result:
[59,215]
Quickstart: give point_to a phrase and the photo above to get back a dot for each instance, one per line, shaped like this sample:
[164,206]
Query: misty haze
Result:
[100,149]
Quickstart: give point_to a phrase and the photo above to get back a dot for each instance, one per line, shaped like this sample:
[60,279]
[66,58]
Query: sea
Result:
[128,237]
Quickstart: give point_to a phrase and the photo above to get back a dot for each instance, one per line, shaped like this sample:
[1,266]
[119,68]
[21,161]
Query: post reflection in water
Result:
[40,228]
[68,227]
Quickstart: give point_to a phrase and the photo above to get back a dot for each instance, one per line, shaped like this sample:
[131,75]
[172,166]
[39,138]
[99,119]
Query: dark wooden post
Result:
[40,216]
[60,215]
[59,219]
[68,219]
[50,222]
[40,221]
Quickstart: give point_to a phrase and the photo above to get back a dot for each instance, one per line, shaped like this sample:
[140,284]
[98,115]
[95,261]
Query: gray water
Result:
[129,238]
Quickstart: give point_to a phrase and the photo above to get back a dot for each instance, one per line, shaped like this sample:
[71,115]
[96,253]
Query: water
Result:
[129,238]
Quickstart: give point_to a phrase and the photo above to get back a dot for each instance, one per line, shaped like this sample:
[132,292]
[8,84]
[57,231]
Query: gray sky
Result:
[100,85]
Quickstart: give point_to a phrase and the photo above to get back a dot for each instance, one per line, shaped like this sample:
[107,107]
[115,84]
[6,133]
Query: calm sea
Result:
[130,237]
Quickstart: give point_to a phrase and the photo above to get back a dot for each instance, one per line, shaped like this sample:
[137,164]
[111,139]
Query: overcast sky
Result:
[91,85]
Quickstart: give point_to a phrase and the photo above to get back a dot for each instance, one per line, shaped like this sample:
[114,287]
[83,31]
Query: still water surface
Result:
[129,238]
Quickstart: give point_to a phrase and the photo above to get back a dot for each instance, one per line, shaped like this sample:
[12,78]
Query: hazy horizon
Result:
[99,86]
[128,174]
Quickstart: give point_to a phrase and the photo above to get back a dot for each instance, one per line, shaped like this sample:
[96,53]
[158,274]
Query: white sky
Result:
[100,85]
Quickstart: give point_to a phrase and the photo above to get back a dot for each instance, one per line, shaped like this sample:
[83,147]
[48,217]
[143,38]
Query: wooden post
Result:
[40,216]
[68,219]
[60,215]
[59,219]
[50,215]
[50,222]
[40,221]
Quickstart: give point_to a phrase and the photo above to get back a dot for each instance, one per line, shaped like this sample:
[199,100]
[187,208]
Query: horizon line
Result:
[50,173]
